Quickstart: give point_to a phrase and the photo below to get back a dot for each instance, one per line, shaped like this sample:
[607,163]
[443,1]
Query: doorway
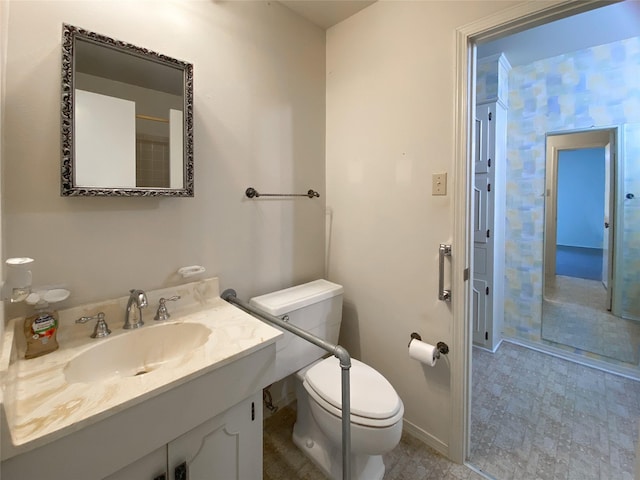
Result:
[580,196]
[491,29]
[581,226]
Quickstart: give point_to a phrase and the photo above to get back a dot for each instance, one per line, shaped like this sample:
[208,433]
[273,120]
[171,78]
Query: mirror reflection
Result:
[584,281]
[129,122]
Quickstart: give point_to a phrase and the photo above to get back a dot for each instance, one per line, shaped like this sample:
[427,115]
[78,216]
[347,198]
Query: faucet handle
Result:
[101,330]
[163,313]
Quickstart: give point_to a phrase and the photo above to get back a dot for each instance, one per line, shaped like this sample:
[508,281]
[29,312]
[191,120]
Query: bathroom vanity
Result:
[152,403]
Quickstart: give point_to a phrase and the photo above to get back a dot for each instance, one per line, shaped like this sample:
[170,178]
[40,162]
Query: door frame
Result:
[506,22]
[600,137]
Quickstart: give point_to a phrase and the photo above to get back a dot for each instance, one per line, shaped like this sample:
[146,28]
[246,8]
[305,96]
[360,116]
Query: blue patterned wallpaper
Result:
[596,87]
[631,221]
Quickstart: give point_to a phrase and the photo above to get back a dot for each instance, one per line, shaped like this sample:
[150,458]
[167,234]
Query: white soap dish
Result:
[48,296]
[187,272]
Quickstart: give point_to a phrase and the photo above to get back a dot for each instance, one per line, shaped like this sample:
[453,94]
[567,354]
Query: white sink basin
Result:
[136,352]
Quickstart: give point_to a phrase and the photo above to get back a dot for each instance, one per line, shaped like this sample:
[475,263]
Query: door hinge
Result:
[488,233]
[490,116]
[253,411]
[465,274]
[486,335]
[488,187]
[489,163]
[487,291]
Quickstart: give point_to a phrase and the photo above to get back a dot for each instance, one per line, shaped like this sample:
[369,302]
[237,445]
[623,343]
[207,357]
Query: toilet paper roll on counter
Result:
[423,352]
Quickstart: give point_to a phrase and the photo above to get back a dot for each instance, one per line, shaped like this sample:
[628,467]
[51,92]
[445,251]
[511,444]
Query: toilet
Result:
[376,408]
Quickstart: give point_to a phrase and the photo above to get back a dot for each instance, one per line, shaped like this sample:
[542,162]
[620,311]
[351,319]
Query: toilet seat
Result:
[374,402]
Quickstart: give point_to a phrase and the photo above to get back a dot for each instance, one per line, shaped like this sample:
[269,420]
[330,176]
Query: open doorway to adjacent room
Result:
[553,384]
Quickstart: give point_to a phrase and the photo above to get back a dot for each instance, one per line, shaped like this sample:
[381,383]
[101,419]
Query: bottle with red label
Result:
[40,331]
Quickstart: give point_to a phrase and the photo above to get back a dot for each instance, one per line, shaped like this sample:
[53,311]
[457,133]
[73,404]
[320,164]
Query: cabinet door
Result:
[151,467]
[485,142]
[479,313]
[227,447]
[484,228]
[481,208]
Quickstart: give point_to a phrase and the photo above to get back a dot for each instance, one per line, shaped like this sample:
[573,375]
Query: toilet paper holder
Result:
[442,347]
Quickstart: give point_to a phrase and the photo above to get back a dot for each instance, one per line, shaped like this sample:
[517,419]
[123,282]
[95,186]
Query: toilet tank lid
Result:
[290,299]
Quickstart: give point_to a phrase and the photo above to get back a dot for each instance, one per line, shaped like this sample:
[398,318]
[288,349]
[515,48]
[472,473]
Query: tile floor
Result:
[574,314]
[536,417]
[410,460]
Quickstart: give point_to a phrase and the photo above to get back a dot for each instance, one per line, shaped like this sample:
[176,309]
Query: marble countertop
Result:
[40,405]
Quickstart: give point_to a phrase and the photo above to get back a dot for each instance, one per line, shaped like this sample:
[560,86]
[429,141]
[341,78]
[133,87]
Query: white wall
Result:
[259,115]
[107,160]
[390,126]
[4,22]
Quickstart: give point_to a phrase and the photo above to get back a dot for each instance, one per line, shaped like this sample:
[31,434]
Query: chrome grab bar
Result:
[443,251]
[339,352]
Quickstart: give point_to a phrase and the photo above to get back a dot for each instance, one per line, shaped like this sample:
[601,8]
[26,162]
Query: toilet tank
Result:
[315,307]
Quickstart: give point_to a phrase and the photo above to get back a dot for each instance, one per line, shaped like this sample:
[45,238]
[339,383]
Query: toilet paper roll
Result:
[423,352]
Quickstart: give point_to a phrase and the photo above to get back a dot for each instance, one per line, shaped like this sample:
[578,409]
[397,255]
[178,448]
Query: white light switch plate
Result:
[439,184]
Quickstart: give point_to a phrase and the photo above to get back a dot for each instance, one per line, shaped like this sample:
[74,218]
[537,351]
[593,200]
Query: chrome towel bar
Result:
[253,193]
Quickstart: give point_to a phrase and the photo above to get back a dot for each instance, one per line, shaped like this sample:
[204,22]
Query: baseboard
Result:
[426,438]
[622,371]
[494,350]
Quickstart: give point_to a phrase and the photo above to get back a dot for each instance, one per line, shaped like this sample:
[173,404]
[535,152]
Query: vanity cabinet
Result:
[152,466]
[206,422]
[229,446]
[201,404]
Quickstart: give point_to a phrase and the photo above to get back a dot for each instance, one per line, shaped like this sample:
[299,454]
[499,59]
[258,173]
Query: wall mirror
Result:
[127,119]
[590,288]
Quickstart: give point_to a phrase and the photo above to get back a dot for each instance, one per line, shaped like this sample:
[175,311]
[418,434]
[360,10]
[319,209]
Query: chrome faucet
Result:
[133,316]
[163,313]
[101,330]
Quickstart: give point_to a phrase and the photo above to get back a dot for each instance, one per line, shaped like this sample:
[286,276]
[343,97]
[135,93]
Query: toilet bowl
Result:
[376,408]
[376,418]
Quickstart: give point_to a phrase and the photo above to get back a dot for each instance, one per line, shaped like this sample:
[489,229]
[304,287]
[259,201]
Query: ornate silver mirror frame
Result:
[69,116]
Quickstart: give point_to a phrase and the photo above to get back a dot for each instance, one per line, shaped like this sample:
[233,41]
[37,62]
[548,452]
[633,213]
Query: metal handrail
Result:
[339,352]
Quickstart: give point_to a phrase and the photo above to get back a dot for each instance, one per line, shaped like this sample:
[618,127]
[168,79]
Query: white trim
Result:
[496,57]
[479,472]
[505,22]
[490,59]
[425,437]
[461,253]
[504,61]
[494,350]
[613,369]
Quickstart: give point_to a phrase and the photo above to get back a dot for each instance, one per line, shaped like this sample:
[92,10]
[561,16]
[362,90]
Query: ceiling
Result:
[326,13]
[596,27]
